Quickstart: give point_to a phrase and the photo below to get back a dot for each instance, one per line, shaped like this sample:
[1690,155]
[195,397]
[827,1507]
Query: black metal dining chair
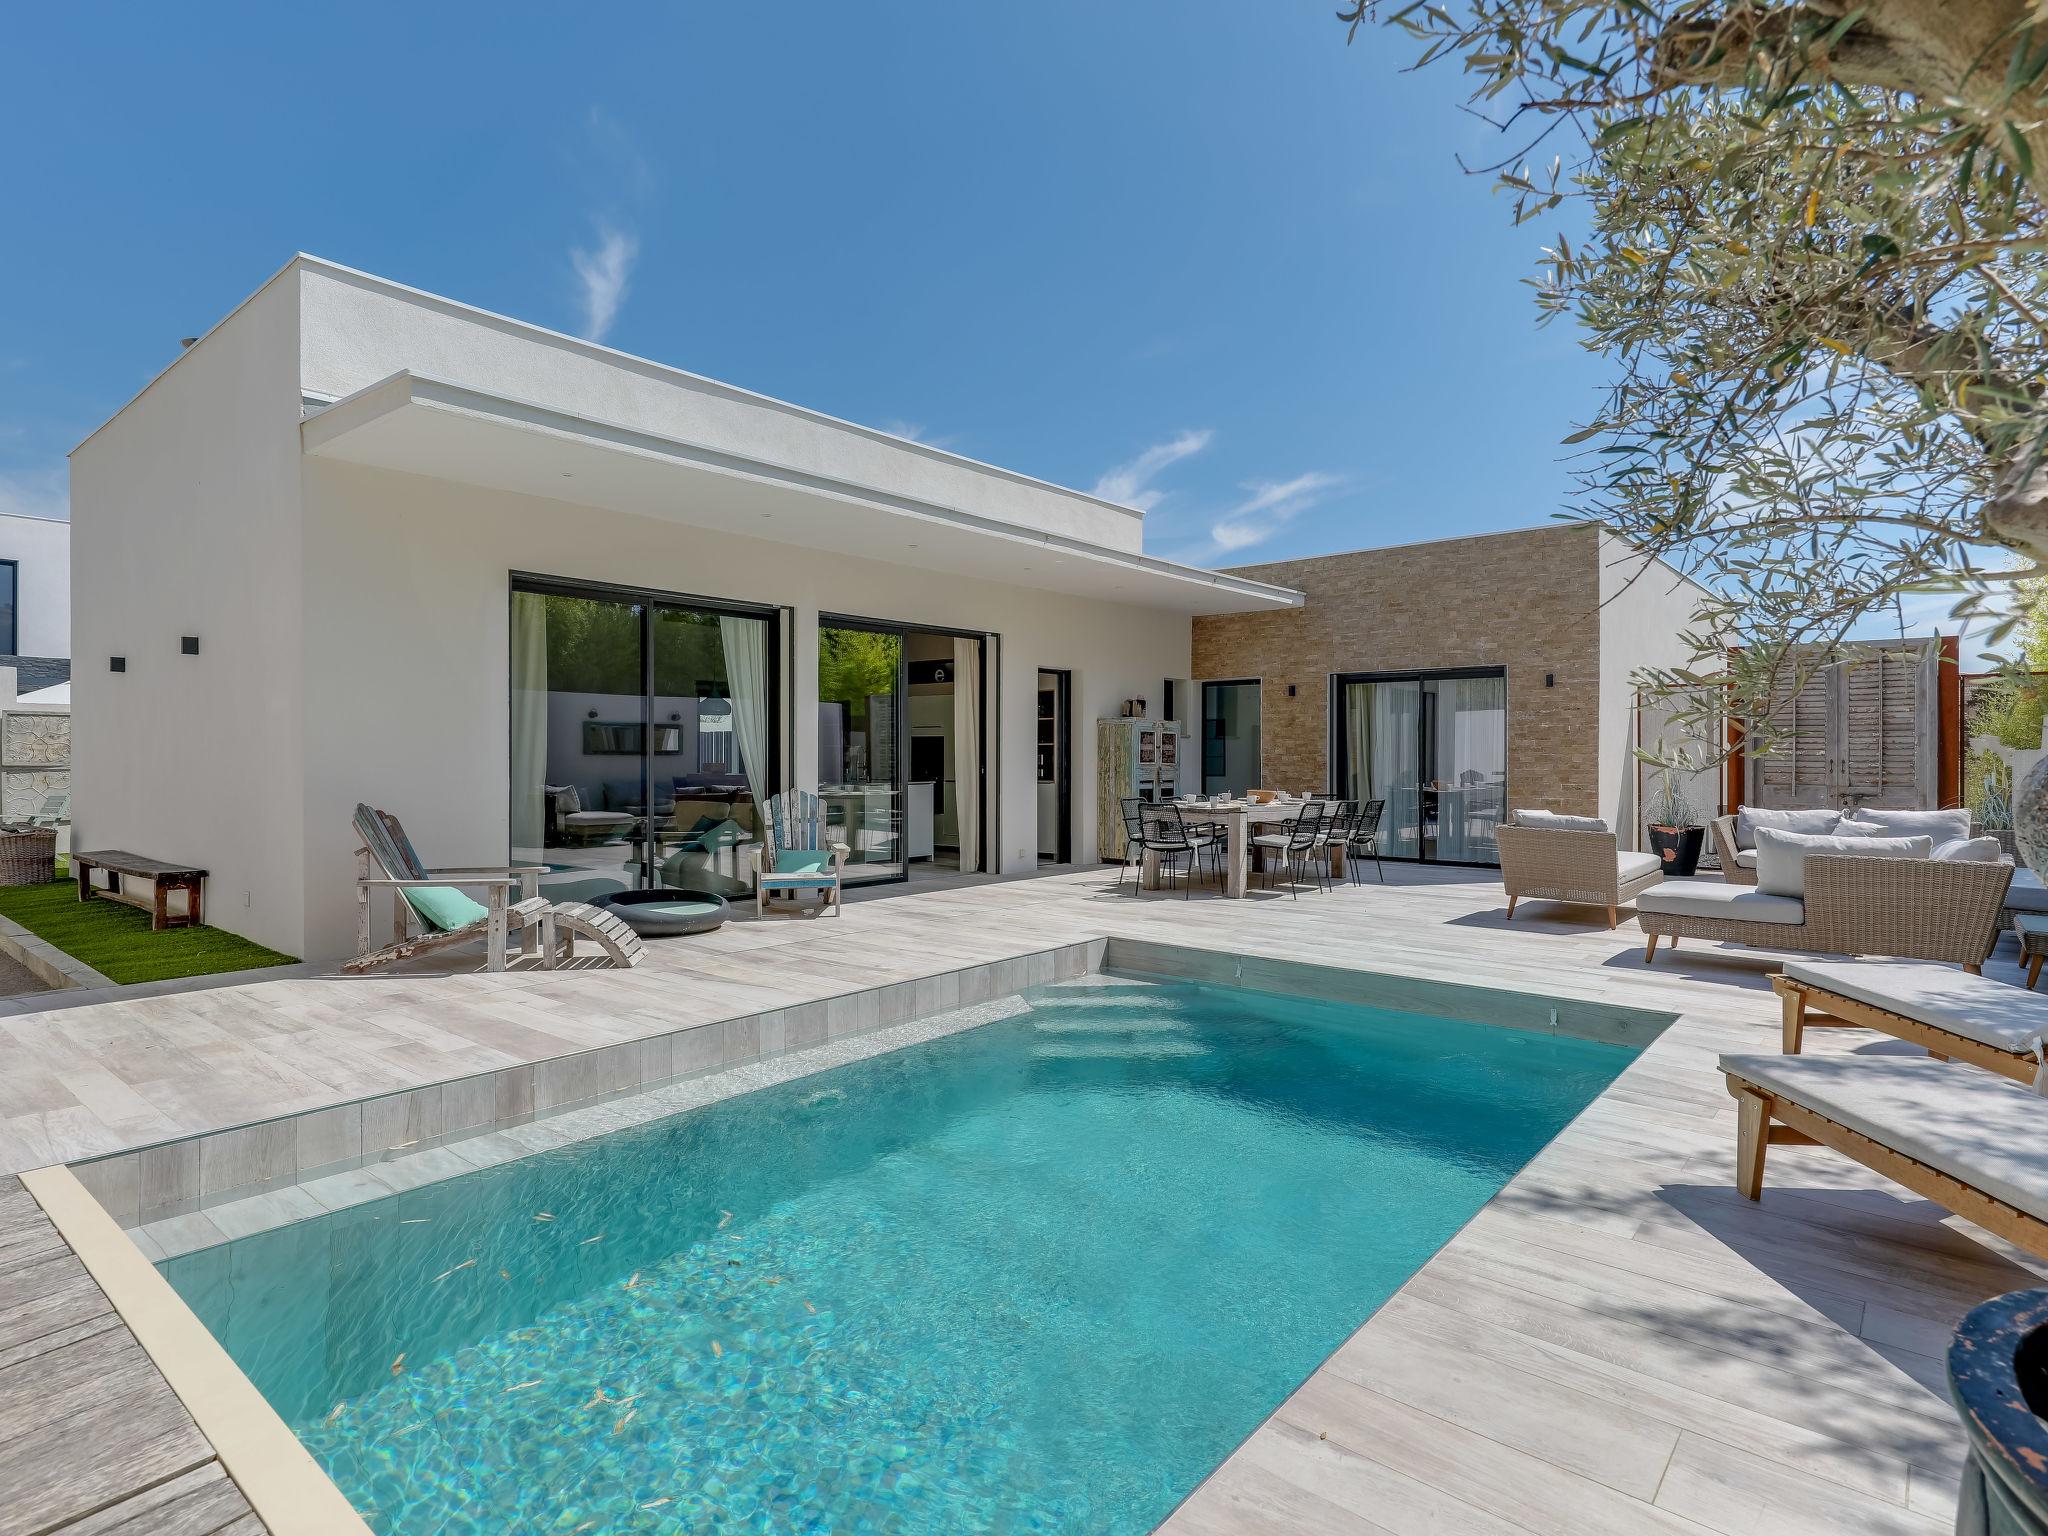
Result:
[1297,845]
[1162,833]
[1364,839]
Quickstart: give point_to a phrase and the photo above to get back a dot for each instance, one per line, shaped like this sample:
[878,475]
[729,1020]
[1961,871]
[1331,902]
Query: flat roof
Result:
[426,426]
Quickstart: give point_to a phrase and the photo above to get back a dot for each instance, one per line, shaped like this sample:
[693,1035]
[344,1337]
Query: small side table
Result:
[2032,928]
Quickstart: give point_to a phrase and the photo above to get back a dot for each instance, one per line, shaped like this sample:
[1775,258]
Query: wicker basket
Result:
[28,855]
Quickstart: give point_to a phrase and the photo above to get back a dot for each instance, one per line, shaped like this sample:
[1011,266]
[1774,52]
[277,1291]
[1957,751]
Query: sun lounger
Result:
[1965,1139]
[1954,1015]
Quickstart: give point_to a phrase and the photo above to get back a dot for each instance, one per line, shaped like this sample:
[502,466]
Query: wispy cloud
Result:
[604,272]
[1268,506]
[1131,484]
[916,433]
[621,180]
[35,493]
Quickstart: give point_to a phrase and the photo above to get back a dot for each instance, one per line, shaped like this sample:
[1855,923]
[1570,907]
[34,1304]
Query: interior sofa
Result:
[1547,857]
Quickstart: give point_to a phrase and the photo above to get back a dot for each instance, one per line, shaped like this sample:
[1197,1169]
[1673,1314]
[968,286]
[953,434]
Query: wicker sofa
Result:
[1589,868]
[1909,909]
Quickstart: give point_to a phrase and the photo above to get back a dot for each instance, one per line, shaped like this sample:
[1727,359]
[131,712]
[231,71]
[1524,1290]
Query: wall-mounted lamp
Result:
[1550,679]
[117,663]
[1290,690]
[189,644]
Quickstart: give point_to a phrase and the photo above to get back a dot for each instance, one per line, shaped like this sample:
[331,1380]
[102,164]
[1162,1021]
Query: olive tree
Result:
[1813,251]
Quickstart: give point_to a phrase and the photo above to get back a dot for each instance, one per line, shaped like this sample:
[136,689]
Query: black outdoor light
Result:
[117,663]
[189,644]
[1550,679]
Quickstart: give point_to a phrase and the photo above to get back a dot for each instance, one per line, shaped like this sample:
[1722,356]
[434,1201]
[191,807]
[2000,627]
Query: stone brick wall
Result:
[1525,601]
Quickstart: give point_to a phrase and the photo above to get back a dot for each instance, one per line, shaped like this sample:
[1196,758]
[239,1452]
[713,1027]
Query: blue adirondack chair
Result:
[793,855]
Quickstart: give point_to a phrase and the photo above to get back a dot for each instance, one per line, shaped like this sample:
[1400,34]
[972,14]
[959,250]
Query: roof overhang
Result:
[425,426]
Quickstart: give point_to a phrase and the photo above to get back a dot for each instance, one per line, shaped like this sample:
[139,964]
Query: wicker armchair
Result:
[1551,864]
[1909,909]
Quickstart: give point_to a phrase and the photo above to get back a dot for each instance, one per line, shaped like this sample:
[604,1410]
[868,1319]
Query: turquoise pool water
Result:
[1042,1275]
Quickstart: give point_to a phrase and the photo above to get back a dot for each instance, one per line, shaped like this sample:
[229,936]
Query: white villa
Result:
[361,543]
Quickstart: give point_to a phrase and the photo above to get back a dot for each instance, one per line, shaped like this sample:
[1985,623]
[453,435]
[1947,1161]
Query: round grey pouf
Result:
[2030,818]
[668,914]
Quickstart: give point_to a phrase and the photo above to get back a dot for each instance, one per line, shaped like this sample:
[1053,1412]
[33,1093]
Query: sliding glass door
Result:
[643,739]
[1433,746]
[901,712]
[861,693]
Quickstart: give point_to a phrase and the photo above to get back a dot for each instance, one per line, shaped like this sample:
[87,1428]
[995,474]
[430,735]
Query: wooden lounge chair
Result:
[793,855]
[1968,1140]
[1954,1015]
[429,911]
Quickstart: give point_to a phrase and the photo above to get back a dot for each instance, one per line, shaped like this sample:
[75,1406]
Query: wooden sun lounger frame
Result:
[1807,1006]
[1765,1119]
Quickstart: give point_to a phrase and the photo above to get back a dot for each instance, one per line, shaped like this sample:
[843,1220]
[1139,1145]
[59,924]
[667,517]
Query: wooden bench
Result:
[163,878]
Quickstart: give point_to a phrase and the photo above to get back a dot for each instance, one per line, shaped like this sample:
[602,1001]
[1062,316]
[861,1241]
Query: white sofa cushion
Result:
[1781,856]
[1942,826]
[1719,900]
[1745,858]
[2026,893]
[1815,823]
[1969,850]
[1989,1012]
[1553,822]
[1975,1126]
[1633,866]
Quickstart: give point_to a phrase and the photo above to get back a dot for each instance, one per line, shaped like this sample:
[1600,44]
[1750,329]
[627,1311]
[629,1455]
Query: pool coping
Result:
[289,1490]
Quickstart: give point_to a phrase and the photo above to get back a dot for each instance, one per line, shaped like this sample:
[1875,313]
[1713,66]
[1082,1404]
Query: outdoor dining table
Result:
[1237,817]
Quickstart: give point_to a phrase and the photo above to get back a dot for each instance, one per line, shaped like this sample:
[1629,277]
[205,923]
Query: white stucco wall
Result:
[406,669]
[41,550]
[360,330]
[185,522]
[1645,608]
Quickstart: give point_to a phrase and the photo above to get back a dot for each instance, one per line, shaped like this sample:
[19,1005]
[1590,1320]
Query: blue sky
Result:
[1197,254]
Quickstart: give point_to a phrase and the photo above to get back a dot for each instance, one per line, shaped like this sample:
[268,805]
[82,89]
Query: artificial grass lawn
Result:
[117,941]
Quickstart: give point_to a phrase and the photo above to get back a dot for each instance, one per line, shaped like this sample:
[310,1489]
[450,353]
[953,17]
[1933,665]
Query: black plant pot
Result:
[1679,848]
[1998,1380]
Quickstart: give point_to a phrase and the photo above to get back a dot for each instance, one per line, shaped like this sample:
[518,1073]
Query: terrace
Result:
[1618,1342]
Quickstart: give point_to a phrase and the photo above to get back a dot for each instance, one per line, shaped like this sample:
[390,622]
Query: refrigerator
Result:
[1133,759]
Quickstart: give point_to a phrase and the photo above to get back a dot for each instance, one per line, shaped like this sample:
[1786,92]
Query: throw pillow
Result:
[1813,823]
[1942,826]
[1552,821]
[1781,856]
[1970,850]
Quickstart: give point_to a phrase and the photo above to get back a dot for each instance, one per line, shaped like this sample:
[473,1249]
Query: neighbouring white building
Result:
[35,589]
[546,600]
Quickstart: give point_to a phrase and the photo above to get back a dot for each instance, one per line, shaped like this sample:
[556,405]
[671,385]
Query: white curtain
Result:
[1395,716]
[529,721]
[745,642]
[1472,747]
[967,750]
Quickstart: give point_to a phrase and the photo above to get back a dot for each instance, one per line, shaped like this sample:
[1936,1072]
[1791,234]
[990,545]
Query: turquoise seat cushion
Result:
[443,908]
[801,866]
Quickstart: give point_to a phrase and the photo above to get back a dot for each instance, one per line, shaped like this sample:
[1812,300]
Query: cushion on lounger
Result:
[1745,858]
[1972,1125]
[2026,893]
[1781,856]
[1815,822]
[1975,1007]
[1722,902]
[1551,821]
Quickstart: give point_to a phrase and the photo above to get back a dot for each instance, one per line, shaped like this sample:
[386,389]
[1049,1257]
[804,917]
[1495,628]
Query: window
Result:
[1432,747]
[9,613]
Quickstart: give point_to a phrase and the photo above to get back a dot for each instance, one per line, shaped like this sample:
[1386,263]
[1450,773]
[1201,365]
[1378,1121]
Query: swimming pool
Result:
[1042,1275]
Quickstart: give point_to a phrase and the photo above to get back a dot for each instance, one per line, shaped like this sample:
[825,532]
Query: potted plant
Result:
[1676,836]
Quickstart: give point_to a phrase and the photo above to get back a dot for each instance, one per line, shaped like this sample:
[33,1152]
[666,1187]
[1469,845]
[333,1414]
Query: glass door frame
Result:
[647,600]
[903,629]
[1340,740]
[1202,687]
